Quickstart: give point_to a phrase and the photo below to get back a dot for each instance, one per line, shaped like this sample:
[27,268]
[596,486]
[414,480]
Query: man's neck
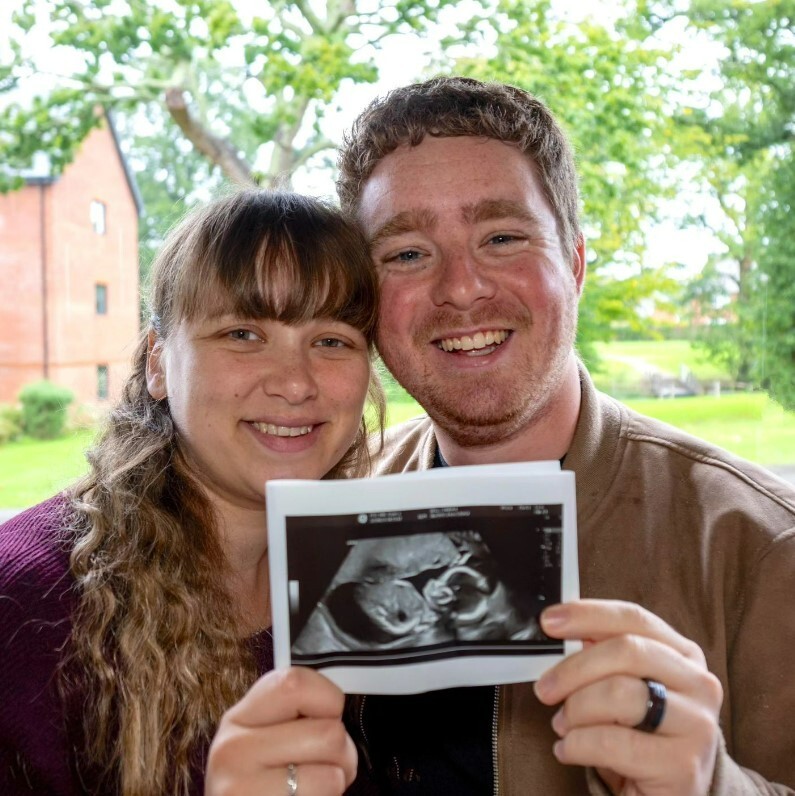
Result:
[546,437]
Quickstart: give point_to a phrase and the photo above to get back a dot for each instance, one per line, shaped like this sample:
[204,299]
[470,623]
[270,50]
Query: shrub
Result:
[44,409]
[10,423]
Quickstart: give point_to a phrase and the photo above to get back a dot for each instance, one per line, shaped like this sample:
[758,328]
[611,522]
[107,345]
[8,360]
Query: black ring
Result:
[655,707]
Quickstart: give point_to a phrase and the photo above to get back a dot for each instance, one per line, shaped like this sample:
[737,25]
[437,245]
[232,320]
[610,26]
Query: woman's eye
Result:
[331,342]
[243,334]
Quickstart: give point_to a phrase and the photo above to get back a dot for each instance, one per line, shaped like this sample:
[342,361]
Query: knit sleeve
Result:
[35,608]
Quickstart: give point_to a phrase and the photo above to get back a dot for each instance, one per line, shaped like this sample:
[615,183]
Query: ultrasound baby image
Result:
[419,590]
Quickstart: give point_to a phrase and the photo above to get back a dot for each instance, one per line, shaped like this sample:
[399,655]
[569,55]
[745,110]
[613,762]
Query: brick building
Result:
[69,306]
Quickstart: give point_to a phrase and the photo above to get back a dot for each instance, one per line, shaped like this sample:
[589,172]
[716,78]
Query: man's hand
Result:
[604,696]
[288,717]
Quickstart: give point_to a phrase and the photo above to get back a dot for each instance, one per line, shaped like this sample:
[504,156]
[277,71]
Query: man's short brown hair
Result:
[459,106]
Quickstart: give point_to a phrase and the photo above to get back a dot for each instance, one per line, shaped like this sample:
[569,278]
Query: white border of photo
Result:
[531,483]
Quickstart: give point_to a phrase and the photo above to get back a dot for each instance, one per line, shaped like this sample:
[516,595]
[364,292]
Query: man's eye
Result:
[408,256]
[502,239]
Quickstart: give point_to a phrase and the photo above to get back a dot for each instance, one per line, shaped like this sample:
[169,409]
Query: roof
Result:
[133,185]
[40,172]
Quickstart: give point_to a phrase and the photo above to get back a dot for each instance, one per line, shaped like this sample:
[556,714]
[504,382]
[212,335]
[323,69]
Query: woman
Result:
[134,609]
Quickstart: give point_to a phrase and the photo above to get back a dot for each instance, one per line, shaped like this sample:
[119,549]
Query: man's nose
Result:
[461,281]
[292,378]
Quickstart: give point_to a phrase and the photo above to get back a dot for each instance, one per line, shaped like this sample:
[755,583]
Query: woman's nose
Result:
[291,378]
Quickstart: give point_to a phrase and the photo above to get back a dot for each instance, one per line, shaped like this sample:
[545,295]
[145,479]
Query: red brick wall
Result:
[20,293]
[77,259]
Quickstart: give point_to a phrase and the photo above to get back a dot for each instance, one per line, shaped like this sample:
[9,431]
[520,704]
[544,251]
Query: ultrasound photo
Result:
[453,580]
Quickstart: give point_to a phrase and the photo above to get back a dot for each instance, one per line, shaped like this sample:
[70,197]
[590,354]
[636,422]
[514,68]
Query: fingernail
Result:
[559,723]
[554,617]
[557,750]
[544,686]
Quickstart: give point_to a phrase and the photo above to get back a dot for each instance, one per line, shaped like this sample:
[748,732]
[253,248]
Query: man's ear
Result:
[155,368]
[578,263]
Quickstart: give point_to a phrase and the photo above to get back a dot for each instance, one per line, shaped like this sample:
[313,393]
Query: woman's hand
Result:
[604,696]
[292,716]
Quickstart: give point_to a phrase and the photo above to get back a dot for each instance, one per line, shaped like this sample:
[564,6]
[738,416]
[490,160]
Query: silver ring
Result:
[292,780]
[655,707]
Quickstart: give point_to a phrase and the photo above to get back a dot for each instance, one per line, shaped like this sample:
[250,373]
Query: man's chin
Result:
[475,429]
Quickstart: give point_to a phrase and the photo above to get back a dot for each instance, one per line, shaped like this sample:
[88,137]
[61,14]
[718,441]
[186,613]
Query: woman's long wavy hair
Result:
[157,651]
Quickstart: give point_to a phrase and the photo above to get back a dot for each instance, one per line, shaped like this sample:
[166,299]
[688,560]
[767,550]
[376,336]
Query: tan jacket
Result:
[701,538]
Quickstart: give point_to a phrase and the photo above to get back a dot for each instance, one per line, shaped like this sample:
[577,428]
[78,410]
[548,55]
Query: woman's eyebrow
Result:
[405,221]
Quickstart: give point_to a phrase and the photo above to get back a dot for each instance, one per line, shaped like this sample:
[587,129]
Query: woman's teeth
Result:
[282,431]
[473,343]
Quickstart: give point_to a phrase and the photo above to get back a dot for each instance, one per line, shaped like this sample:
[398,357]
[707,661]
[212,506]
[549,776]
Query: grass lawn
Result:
[747,424]
[624,366]
[32,470]
[666,355]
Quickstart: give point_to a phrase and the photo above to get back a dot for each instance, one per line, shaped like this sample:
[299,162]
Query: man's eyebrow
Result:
[405,221]
[489,209]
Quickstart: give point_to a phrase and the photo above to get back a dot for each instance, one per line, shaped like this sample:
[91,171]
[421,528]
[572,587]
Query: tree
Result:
[201,94]
[748,160]
[610,88]
[248,95]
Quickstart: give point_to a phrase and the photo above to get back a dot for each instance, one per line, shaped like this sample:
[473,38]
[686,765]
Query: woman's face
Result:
[255,399]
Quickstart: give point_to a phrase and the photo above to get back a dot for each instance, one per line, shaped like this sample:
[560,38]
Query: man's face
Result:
[478,301]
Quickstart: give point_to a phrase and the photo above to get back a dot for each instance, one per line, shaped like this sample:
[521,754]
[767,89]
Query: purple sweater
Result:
[36,603]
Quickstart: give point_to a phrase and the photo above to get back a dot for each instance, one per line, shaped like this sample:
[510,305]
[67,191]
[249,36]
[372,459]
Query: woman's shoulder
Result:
[36,587]
[34,558]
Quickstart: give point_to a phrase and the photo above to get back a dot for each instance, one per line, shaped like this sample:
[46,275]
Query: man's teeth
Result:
[475,342]
[282,431]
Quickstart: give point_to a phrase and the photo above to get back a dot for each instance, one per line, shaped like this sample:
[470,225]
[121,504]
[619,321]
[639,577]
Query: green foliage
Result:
[191,70]
[741,139]
[10,423]
[609,87]
[202,95]
[773,305]
[44,409]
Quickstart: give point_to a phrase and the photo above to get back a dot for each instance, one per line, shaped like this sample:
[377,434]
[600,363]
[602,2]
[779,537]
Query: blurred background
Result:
[116,116]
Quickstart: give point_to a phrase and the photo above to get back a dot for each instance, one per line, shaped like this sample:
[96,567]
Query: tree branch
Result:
[320,145]
[215,149]
[306,12]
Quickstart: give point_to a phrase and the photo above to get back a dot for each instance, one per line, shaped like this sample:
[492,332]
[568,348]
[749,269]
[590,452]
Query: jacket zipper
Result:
[361,721]
[366,747]
[494,724]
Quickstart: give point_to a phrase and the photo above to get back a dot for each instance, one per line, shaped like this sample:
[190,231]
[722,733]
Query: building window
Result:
[102,381]
[97,215]
[101,299]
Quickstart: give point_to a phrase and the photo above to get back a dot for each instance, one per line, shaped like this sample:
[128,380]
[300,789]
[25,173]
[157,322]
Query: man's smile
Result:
[477,342]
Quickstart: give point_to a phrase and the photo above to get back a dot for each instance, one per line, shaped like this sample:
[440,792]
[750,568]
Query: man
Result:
[468,195]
